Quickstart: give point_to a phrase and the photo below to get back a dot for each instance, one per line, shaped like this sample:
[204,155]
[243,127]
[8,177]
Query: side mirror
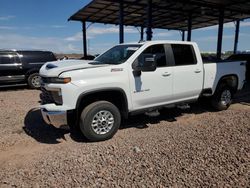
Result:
[145,63]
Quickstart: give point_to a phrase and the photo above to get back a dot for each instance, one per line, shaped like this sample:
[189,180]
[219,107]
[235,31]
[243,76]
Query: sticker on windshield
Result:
[133,48]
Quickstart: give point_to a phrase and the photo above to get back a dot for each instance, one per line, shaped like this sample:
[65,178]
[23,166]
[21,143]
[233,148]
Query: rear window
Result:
[184,54]
[34,57]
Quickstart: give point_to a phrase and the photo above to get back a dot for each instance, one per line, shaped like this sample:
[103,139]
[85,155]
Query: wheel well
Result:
[115,96]
[229,80]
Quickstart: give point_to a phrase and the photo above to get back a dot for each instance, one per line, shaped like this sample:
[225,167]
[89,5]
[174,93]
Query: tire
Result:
[94,121]
[34,81]
[222,98]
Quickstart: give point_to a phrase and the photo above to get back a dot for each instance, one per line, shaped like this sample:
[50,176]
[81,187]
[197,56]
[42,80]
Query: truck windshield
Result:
[117,55]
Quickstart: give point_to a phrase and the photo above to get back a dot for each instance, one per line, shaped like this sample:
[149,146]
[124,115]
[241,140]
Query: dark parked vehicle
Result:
[17,67]
[242,57]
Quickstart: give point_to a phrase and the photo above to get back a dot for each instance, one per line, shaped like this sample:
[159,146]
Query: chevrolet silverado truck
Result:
[129,79]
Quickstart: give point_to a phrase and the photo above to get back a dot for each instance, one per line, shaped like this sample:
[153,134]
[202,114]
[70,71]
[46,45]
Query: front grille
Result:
[46,96]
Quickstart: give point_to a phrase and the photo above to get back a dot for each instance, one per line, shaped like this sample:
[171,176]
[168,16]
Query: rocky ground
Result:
[196,147]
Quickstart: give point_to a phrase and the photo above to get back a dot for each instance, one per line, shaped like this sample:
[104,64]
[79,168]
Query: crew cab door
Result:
[155,87]
[188,72]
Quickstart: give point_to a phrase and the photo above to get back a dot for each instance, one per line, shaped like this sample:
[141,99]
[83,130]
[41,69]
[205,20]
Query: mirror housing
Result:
[145,63]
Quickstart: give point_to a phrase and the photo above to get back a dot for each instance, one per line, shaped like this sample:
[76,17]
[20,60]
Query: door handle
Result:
[166,74]
[197,71]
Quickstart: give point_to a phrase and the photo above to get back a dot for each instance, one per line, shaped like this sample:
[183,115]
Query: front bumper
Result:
[56,118]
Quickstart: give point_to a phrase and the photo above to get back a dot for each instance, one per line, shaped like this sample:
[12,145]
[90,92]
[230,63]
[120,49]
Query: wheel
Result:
[34,81]
[222,98]
[100,121]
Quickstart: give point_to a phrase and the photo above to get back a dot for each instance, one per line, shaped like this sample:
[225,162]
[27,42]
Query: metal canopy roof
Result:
[168,14]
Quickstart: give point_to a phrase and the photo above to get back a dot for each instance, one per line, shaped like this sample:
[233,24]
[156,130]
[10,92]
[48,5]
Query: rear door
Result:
[188,72]
[10,67]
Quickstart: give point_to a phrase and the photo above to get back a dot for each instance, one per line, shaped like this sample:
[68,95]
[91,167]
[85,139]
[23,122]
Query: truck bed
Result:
[215,71]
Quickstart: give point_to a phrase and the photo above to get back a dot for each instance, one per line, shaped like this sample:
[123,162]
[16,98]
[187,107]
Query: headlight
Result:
[55,80]
[60,80]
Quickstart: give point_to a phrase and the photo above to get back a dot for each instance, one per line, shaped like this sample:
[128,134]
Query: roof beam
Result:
[198,3]
[169,14]
[220,34]
[121,22]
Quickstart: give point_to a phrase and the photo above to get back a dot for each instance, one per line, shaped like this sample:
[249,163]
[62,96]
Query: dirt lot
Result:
[193,147]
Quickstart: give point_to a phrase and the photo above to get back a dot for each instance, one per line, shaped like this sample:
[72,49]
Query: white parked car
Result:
[130,79]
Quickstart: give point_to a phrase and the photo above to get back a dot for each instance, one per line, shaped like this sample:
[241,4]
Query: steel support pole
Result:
[84,39]
[220,34]
[183,35]
[142,33]
[236,38]
[121,22]
[189,35]
[149,20]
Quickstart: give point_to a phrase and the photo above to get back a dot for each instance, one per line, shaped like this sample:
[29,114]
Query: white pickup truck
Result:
[130,79]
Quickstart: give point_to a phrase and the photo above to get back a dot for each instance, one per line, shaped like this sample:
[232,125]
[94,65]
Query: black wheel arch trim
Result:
[224,77]
[107,89]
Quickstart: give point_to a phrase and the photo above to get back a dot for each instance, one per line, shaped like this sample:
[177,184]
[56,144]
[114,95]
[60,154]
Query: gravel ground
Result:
[195,147]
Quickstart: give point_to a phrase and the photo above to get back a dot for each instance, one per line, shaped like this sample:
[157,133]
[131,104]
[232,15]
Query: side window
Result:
[158,52]
[184,54]
[8,58]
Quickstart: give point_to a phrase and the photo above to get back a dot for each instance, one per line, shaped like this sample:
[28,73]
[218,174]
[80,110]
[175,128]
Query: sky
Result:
[34,24]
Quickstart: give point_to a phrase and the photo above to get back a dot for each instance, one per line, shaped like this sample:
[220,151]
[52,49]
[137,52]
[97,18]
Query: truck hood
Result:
[54,68]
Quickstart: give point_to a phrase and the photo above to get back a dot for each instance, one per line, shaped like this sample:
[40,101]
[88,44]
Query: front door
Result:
[153,88]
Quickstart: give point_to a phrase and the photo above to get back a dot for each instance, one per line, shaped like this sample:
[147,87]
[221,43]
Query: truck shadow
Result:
[168,114]
[35,127]
[243,97]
